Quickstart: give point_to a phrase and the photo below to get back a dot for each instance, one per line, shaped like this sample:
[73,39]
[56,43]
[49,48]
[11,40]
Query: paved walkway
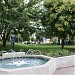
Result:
[65,71]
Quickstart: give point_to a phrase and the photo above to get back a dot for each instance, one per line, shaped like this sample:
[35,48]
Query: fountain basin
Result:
[46,69]
[23,70]
[13,63]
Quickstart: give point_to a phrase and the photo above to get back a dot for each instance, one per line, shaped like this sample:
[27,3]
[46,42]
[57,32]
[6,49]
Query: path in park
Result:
[65,71]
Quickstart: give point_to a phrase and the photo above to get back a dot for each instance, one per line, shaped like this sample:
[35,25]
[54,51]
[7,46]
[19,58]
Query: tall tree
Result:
[17,15]
[13,15]
[59,18]
[10,12]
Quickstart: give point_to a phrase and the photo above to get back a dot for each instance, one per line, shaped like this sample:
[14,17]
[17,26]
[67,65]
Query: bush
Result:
[55,40]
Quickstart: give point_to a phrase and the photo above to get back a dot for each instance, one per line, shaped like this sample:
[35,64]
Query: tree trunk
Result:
[5,38]
[4,42]
[63,42]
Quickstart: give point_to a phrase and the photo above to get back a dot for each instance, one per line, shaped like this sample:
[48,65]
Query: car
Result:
[25,42]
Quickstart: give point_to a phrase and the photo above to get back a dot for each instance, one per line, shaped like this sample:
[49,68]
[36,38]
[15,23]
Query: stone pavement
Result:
[65,71]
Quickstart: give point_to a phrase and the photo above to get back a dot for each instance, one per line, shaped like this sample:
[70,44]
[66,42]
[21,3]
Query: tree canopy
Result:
[15,14]
[59,18]
[26,17]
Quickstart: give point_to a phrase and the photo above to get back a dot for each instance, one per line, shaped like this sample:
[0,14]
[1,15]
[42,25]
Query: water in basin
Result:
[21,62]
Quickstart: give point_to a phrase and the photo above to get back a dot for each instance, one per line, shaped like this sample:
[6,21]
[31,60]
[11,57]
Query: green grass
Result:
[46,49]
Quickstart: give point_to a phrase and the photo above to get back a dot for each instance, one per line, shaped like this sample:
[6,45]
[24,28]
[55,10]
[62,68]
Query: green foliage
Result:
[15,14]
[45,49]
[40,34]
[32,39]
[58,52]
[59,18]
[11,17]
[54,40]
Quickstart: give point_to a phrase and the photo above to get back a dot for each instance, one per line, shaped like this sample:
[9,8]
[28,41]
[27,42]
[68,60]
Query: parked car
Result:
[25,42]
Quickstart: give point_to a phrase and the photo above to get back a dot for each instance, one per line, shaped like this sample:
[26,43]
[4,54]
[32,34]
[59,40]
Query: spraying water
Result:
[19,62]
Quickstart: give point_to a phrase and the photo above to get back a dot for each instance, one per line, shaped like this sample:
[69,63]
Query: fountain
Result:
[29,60]
[15,62]
[29,52]
[33,52]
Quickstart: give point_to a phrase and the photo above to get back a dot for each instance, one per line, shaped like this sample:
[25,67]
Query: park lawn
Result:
[35,46]
[46,49]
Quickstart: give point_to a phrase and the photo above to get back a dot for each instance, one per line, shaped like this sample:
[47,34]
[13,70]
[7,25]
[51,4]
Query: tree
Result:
[14,14]
[59,18]
[10,12]
[36,11]
[40,34]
